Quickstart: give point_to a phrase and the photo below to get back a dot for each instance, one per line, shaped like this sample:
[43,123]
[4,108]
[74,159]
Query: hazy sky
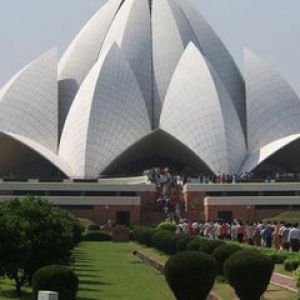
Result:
[271,28]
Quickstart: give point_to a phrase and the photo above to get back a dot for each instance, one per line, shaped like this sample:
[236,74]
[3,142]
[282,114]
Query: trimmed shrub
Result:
[291,264]
[208,246]
[194,244]
[172,244]
[191,275]
[93,227]
[161,238]
[297,277]
[181,244]
[56,278]
[166,226]
[222,253]
[144,235]
[249,273]
[277,256]
[96,236]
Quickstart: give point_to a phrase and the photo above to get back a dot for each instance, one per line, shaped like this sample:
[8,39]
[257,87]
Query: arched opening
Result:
[157,149]
[17,161]
[285,160]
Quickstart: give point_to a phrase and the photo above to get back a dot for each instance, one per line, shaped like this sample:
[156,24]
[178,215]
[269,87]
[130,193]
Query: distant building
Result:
[147,83]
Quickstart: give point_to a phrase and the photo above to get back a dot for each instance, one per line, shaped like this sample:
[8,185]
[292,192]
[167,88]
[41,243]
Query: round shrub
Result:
[297,277]
[191,275]
[208,246]
[166,226]
[291,264]
[165,241]
[159,237]
[182,242]
[222,253]
[194,244]
[249,273]
[144,235]
[172,243]
[277,257]
[96,236]
[93,227]
[56,278]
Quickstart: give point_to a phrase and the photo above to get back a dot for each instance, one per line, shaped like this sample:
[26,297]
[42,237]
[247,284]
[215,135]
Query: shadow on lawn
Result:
[80,270]
[85,266]
[136,262]
[93,282]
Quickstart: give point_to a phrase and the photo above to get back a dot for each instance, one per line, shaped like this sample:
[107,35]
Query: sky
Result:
[270,28]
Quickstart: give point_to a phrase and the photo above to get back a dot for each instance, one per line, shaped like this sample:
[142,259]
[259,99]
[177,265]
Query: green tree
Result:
[34,234]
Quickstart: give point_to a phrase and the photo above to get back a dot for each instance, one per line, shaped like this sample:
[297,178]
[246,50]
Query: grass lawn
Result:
[109,271]
[7,291]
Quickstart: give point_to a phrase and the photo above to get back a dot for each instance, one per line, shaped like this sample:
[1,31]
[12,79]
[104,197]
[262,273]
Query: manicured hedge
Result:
[56,278]
[167,226]
[144,235]
[96,236]
[249,273]
[222,253]
[208,246]
[191,275]
[160,239]
[182,243]
[291,264]
[194,244]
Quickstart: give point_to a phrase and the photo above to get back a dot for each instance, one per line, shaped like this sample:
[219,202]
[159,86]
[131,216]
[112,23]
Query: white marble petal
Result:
[82,54]
[29,102]
[198,112]
[171,33]
[273,108]
[131,31]
[108,115]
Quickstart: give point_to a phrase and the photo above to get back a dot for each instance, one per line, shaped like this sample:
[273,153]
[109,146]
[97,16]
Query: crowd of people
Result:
[281,235]
[243,177]
[167,182]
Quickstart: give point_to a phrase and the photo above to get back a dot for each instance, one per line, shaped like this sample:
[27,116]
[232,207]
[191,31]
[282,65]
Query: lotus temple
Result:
[149,83]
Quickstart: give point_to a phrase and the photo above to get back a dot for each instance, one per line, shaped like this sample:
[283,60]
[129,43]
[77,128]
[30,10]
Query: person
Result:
[257,239]
[233,232]
[266,235]
[294,238]
[206,229]
[240,232]
[223,231]
[195,228]
[285,232]
[250,233]
[276,237]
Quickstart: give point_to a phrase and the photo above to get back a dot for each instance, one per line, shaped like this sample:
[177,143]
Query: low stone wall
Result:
[160,267]
[150,261]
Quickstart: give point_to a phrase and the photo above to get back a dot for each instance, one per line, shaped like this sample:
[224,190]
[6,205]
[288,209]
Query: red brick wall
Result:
[100,214]
[150,215]
[194,205]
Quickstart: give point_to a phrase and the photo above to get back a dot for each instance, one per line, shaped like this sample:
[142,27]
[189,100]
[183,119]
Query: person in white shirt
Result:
[294,238]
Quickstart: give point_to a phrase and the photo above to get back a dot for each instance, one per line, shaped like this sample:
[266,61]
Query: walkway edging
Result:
[284,281]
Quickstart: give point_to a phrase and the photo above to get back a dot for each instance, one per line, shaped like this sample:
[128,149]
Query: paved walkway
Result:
[284,281]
